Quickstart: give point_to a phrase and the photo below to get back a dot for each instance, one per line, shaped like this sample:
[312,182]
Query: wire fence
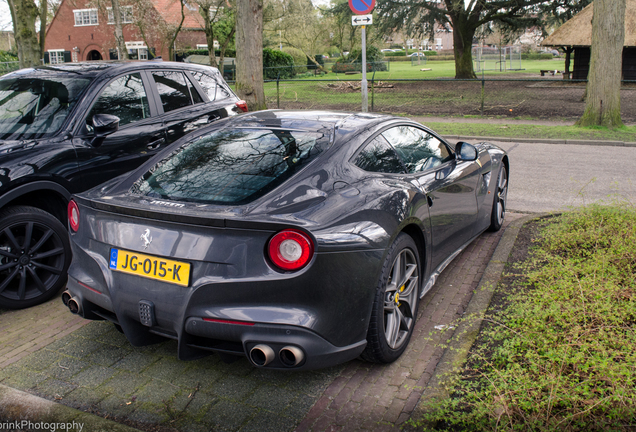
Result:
[545,98]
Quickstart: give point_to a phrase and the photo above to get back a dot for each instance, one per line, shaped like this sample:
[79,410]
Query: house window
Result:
[84,17]
[126,13]
[56,56]
[137,50]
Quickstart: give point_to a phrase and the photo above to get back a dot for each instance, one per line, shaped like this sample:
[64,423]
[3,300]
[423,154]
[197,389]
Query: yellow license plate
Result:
[151,267]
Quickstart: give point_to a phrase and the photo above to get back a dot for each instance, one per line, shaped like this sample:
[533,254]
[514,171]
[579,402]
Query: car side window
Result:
[211,86]
[174,90]
[379,156]
[418,149]
[125,97]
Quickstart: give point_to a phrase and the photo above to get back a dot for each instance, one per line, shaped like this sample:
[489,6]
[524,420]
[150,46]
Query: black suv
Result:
[67,128]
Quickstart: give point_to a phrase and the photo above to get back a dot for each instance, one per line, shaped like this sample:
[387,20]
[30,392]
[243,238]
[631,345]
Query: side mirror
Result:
[103,125]
[465,151]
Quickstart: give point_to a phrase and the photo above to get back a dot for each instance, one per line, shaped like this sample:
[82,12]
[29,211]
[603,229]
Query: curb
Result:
[34,413]
[467,331]
[542,141]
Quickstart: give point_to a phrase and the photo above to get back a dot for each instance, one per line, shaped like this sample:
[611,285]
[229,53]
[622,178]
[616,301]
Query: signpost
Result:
[363,8]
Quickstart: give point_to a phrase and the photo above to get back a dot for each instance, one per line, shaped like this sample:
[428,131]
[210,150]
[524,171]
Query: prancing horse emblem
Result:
[146,238]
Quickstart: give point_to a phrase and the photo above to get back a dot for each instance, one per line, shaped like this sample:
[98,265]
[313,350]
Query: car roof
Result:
[308,120]
[105,68]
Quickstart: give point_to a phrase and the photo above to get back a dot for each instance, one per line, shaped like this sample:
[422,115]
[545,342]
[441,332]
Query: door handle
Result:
[156,144]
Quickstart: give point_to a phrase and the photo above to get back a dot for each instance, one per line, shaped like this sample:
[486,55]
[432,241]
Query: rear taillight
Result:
[73,215]
[242,105]
[290,250]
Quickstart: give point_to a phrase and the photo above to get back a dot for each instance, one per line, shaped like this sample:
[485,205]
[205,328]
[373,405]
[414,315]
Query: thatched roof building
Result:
[576,35]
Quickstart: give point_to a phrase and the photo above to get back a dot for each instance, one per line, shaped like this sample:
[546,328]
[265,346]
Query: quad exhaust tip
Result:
[74,305]
[262,355]
[291,356]
[66,296]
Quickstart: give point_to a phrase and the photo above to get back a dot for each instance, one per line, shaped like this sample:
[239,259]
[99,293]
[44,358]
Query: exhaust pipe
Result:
[261,355]
[291,356]
[66,296]
[74,305]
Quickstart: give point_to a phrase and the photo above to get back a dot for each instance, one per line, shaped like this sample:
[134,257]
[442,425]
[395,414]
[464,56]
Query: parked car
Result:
[67,128]
[298,239]
[417,54]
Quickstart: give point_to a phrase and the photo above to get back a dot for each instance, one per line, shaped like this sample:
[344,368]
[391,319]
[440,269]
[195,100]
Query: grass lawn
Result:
[556,351]
[511,130]
[445,69]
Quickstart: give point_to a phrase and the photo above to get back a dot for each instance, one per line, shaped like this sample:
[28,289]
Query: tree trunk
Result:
[223,47]
[119,31]
[44,8]
[463,34]
[24,13]
[176,33]
[249,53]
[204,10]
[603,101]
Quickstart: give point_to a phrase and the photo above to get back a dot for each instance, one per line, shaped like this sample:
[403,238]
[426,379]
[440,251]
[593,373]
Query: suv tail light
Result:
[73,215]
[242,105]
[290,250]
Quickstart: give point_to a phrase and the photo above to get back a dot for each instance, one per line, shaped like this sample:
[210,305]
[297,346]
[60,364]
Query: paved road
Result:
[553,177]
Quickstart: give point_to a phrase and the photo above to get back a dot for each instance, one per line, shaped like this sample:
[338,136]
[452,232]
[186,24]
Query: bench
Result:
[566,75]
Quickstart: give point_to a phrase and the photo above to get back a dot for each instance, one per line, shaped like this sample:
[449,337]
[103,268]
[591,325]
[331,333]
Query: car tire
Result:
[498,212]
[35,253]
[395,306]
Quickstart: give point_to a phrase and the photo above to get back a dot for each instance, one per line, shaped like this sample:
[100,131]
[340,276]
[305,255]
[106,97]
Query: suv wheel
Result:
[34,256]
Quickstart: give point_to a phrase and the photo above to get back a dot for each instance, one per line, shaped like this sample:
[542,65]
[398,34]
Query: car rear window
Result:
[231,166]
[36,107]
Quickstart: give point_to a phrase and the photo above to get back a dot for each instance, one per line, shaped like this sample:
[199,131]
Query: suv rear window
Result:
[36,107]
[231,166]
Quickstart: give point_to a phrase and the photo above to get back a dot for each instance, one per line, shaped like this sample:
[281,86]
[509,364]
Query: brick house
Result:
[82,30]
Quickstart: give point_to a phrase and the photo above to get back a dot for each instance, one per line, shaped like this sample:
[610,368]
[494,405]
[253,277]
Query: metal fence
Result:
[545,98]
[497,59]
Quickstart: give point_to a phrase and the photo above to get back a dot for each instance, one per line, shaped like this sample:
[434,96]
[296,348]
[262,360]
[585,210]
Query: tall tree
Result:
[249,53]
[465,17]
[44,12]
[119,31]
[24,14]
[219,25]
[173,31]
[603,98]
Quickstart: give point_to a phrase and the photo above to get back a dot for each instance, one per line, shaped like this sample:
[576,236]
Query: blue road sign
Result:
[361,7]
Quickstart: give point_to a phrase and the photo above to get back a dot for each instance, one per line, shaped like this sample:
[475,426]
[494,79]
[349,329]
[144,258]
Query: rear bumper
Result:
[322,311]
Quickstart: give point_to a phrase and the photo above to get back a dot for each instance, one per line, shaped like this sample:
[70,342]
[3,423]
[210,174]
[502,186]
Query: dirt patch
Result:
[542,99]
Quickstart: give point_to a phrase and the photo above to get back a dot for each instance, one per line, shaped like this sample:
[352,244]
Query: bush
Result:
[277,64]
[300,60]
[353,62]
[8,56]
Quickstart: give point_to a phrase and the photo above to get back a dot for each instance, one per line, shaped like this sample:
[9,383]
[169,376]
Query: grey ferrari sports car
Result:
[300,239]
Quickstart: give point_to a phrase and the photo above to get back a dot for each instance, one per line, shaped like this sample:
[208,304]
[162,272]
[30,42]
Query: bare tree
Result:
[219,24]
[603,98]
[44,12]
[119,31]
[24,14]
[249,53]
[173,31]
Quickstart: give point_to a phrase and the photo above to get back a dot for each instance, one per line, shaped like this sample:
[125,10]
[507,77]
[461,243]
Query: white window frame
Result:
[140,47]
[87,17]
[56,56]
[126,15]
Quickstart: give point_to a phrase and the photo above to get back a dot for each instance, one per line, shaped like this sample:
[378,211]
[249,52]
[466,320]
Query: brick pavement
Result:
[90,366]
[23,333]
